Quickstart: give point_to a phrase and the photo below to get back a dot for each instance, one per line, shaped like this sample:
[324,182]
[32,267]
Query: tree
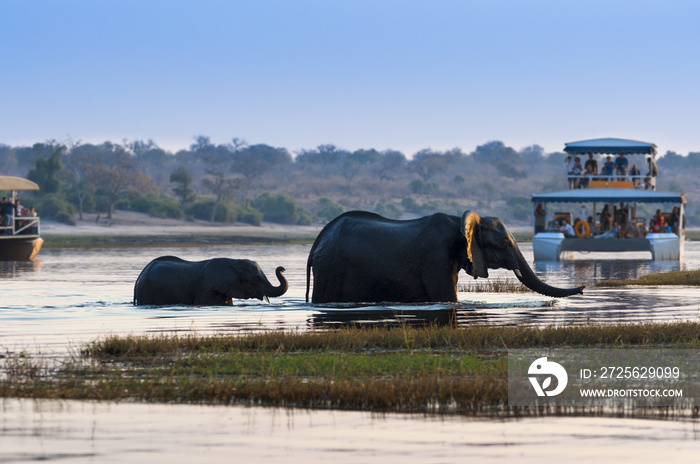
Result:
[182,180]
[237,144]
[139,147]
[671,160]
[323,154]
[255,160]
[202,144]
[221,187]
[281,209]
[116,174]
[328,209]
[45,172]
[495,153]
[532,156]
[364,157]
[390,163]
[78,172]
[8,159]
[426,163]
[349,167]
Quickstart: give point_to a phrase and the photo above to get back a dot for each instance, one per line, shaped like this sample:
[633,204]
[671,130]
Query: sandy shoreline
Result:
[127,223]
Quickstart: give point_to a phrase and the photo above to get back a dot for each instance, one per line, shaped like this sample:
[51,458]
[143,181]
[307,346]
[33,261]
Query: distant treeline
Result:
[254,183]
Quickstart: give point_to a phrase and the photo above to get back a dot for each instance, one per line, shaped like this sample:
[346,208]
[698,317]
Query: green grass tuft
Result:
[684,278]
[433,369]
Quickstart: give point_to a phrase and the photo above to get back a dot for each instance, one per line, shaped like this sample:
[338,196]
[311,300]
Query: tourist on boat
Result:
[605,218]
[577,171]
[566,229]
[653,172]
[609,167]
[31,212]
[612,233]
[653,227]
[621,215]
[8,211]
[594,229]
[634,174]
[19,209]
[665,228]
[587,176]
[540,218]
[569,166]
[592,163]
[621,165]
[633,229]
[656,222]
[675,219]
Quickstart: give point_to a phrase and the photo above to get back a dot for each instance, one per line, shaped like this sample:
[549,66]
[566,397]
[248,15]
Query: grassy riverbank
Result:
[685,278]
[431,369]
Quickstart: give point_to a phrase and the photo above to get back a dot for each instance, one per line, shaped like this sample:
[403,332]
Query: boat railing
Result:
[640,182]
[20,226]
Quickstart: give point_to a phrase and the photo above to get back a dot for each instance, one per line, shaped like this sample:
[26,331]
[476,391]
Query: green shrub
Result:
[249,215]
[421,188]
[101,203]
[154,205]
[410,205]
[519,207]
[65,218]
[304,218]
[281,209]
[329,209]
[201,209]
[56,207]
[389,210]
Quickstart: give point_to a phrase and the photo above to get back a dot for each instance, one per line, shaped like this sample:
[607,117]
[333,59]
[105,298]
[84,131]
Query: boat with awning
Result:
[610,212]
[20,238]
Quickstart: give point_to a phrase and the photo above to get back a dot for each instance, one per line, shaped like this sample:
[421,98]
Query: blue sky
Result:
[355,73]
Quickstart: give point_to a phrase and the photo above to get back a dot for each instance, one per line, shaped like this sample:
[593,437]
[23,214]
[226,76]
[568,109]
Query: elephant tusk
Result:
[517,272]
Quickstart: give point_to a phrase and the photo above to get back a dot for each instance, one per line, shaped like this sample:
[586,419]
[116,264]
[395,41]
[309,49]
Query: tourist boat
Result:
[19,239]
[592,196]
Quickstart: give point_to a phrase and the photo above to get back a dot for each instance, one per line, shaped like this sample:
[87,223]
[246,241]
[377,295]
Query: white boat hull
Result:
[553,246]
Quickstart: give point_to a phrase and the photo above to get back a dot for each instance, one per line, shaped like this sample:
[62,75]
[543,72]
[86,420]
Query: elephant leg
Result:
[211,298]
[440,281]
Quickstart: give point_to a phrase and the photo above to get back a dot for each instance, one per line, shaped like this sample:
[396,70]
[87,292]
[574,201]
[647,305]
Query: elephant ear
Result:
[470,226]
[228,281]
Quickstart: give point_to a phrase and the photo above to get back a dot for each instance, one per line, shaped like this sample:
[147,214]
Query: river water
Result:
[69,297]
[72,296]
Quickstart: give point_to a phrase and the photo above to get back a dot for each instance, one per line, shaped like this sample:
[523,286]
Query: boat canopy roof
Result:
[10,183]
[608,195]
[611,146]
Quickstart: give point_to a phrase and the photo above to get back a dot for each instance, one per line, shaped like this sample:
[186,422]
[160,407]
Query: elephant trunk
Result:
[272,291]
[527,276]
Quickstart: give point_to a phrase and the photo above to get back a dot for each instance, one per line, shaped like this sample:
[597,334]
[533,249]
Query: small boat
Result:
[591,207]
[19,236]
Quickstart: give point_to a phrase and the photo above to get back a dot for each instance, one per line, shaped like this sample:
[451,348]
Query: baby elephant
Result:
[169,280]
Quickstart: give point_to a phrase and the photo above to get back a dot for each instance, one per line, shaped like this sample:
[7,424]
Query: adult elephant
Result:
[364,257]
[169,280]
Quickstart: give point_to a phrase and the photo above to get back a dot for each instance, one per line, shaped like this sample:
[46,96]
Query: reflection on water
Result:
[72,296]
[595,270]
[72,431]
[18,269]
